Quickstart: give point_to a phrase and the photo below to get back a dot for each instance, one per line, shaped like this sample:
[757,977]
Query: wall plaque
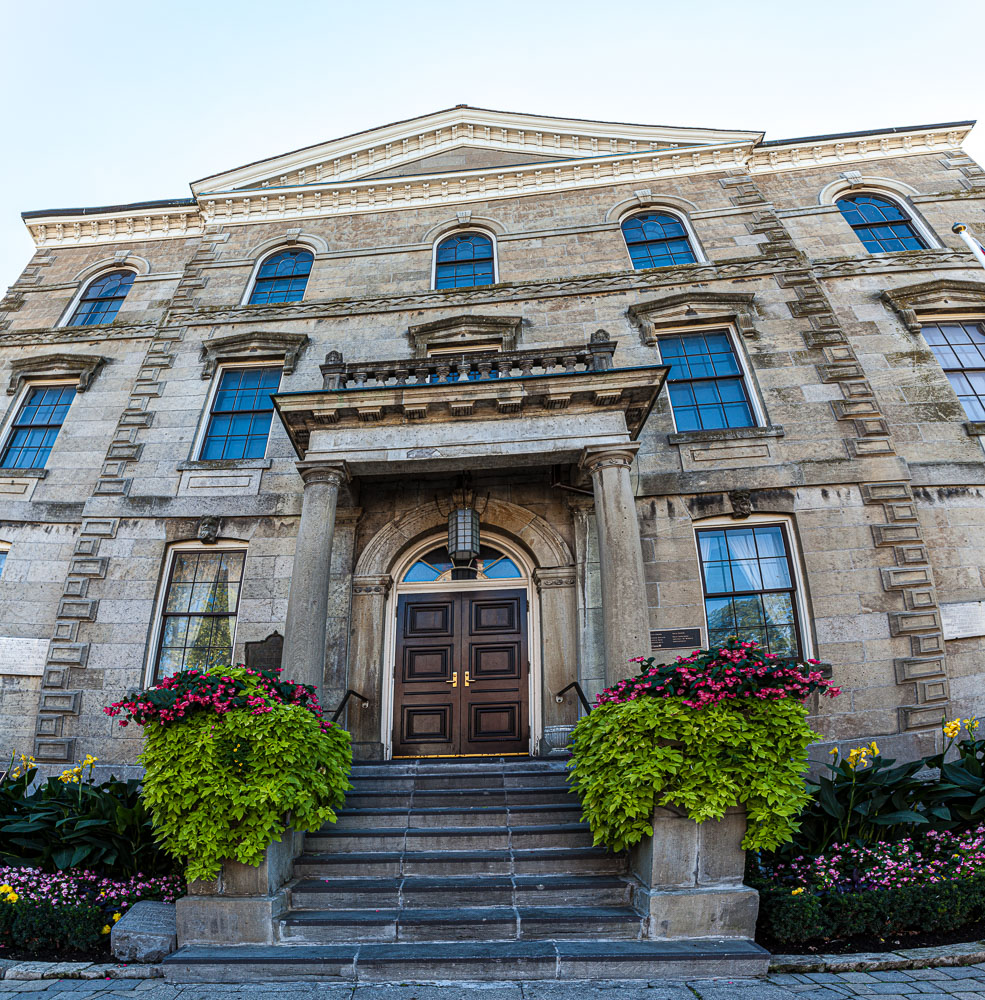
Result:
[962,620]
[22,657]
[675,638]
[266,654]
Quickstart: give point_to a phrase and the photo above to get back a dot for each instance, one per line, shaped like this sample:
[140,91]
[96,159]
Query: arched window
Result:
[464,261]
[436,567]
[880,224]
[282,277]
[102,299]
[655,239]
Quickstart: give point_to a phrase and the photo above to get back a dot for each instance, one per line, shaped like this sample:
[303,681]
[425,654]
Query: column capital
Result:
[554,576]
[379,584]
[594,459]
[335,473]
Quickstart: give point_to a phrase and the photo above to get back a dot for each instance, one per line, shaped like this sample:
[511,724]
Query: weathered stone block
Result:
[147,932]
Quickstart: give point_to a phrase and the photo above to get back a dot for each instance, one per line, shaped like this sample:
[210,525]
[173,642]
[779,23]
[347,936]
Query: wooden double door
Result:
[461,682]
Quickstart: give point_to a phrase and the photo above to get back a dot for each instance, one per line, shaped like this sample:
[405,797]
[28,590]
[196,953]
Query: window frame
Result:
[903,204]
[803,621]
[945,320]
[263,258]
[461,231]
[152,654]
[17,404]
[69,312]
[199,442]
[700,257]
[5,553]
[738,349]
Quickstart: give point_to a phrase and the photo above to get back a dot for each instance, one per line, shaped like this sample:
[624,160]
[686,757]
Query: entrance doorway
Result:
[461,657]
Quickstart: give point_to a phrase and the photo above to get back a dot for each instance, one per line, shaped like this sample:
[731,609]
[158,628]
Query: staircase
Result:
[463,870]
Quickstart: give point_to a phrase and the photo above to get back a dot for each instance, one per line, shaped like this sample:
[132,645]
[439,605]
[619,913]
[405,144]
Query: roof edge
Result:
[101,209]
[872,131]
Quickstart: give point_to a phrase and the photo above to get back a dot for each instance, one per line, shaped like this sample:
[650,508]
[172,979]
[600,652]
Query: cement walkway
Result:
[952,983]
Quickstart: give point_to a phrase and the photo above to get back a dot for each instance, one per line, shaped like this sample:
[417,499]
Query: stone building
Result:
[691,381]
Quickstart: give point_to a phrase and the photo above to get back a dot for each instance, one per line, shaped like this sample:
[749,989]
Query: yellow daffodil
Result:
[116,916]
[835,750]
[796,892]
[952,728]
[105,930]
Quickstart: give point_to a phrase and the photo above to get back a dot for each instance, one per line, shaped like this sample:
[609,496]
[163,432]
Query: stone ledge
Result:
[225,463]
[906,958]
[14,971]
[725,434]
[974,427]
[23,473]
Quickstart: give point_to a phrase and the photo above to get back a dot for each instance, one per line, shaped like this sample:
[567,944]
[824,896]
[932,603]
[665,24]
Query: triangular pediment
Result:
[458,140]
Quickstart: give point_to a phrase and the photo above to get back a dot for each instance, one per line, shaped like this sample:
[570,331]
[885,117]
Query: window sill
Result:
[24,473]
[725,434]
[226,463]
[974,428]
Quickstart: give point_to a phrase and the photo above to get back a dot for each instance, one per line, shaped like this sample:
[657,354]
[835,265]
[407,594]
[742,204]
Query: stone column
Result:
[559,653]
[368,674]
[307,605]
[625,612]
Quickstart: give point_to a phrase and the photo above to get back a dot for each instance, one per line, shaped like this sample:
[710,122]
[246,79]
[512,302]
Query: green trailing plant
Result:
[224,783]
[71,821]
[647,752]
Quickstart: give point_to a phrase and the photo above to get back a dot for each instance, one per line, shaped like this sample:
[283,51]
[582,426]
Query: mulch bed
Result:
[864,943]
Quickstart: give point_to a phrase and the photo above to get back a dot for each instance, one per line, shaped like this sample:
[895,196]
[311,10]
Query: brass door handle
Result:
[466,678]
[454,679]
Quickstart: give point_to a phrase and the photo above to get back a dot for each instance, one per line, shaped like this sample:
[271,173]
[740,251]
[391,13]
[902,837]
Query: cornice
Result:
[909,260]
[77,334]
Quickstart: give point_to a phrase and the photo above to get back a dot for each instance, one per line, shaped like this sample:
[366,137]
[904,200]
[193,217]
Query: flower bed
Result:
[70,914]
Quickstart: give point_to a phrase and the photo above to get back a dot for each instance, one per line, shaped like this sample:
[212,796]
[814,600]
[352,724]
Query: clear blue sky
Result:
[108,103]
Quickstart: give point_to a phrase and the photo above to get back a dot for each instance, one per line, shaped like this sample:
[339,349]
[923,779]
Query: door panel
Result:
[461,676]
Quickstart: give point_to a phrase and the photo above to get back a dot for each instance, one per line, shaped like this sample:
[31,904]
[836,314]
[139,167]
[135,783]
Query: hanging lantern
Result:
[463,535]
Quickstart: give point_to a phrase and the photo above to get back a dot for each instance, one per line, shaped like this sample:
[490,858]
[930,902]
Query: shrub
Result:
[650,752]
[70,821]
[47,930]
[231,760]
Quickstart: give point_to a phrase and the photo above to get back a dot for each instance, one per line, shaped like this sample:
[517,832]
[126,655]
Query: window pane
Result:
[881,225]
[101,300]
[657,240]
[36,426]
[241,414]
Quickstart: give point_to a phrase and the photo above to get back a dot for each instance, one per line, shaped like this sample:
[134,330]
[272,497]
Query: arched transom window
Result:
[282,277]
[102,299]
[436,566]
[881,224]
[655,239]
[464,261]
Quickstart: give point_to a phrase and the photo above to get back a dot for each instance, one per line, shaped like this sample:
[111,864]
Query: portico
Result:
[487,413]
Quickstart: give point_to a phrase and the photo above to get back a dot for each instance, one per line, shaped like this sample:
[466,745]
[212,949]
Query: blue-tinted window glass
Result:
[36,426]
[3,560]
[282,278]
[657,240]
[749,587]
[241,413]
[960,351]
[705,382]
[490,565]
[464,261]
[881,225]
[102,299]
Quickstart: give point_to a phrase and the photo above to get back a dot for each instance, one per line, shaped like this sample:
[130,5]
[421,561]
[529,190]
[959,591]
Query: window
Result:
[749,587]
[960,351]
[436,566]
[198,617]
[880,224]
[282,277]
[657,240]
[464,261]
[102,299]
[241,411]
[36,426]
[705,382]
[4,549]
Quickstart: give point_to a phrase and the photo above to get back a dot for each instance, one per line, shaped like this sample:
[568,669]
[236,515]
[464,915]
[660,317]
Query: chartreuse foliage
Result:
[225,785]
[632,756]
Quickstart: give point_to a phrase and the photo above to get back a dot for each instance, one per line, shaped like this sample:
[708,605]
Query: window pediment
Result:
[81,367]
[914,303]
[499,332]
[252,346]
[682,308]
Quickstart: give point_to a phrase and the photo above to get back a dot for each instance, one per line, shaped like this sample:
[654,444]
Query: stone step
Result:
[369,797]
[475,961]
[449,838]
[490,923]
[391,864]
[472,891]
[456,816]
[474,779]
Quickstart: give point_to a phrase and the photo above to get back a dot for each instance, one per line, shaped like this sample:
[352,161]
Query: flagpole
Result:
[970,242]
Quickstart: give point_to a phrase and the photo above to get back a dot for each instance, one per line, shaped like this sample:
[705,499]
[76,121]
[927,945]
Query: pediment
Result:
[950,296]
[459,139]
[691,307]
[253,345]
[499,333]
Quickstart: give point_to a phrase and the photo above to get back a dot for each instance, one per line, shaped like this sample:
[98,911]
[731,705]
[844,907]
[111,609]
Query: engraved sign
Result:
[266,654]
[22,657]
[675,638]
[962,620]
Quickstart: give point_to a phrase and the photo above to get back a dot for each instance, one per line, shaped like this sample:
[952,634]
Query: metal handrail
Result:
[559,697]
[345,698]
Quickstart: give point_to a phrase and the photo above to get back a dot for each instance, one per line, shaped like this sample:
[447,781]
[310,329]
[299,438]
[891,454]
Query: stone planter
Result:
[241,905]
[691,875]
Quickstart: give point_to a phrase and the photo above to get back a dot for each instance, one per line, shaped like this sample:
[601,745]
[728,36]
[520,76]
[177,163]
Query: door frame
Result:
[398,590]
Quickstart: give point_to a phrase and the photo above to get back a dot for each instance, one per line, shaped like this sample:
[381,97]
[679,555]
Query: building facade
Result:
[693,382]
